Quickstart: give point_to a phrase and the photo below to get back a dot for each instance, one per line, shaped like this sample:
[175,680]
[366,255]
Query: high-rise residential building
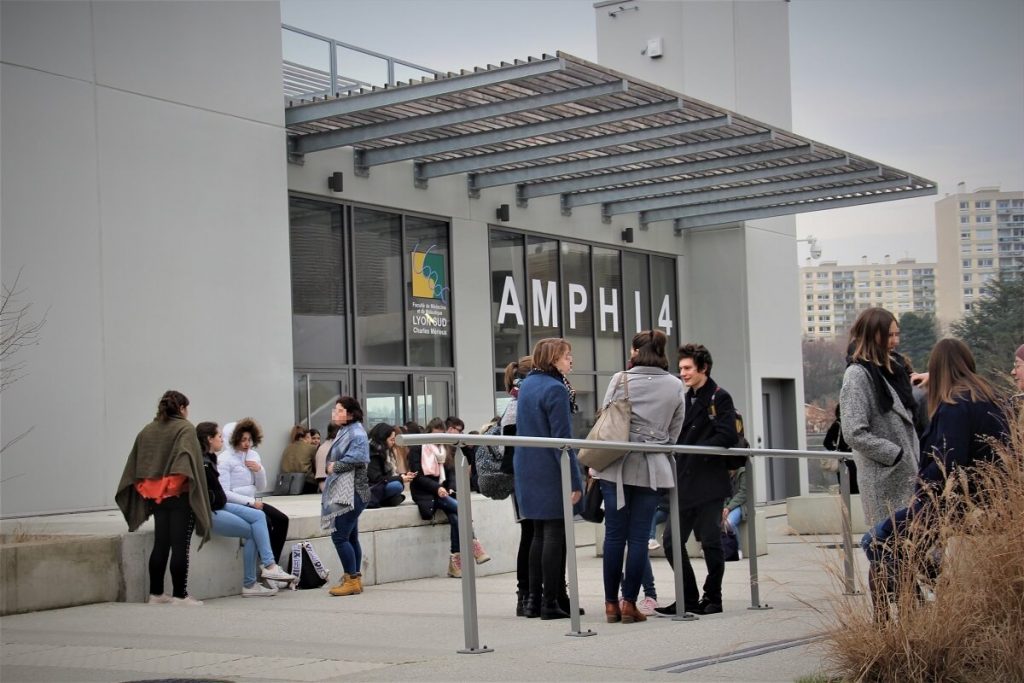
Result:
[831,295]
[979,235]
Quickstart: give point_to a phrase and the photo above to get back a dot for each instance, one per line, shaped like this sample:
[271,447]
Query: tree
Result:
[994,328]
[918,334]
[824,365]
[17,331]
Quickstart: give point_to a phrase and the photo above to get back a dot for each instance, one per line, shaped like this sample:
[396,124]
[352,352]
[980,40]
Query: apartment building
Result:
[831,295]
[979,235]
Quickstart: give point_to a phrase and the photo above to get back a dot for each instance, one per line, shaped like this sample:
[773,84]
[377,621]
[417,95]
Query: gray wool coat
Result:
[876,439]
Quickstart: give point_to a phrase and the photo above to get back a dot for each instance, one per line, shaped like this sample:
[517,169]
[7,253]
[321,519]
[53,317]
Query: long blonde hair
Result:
[952,373]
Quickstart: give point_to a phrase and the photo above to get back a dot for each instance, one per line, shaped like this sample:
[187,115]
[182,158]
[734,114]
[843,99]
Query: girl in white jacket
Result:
[243,476]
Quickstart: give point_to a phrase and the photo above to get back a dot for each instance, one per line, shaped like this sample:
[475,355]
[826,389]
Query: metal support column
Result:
[755,588]
[848,565]
[677,549]
[469,614]
[570,547]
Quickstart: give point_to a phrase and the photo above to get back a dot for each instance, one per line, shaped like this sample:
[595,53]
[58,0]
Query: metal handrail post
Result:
[677,548]
[848,566]
[469,613]
[570,547]
[755,579]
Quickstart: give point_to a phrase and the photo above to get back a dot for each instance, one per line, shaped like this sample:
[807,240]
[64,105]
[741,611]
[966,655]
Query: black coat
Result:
[424,487]
[706,477]
[218,499]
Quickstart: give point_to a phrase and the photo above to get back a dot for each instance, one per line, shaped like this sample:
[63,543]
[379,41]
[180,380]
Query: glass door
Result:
[385,397]
[315,396]
[434,396]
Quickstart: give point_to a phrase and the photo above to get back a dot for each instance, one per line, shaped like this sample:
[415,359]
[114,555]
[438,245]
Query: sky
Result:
[931,87]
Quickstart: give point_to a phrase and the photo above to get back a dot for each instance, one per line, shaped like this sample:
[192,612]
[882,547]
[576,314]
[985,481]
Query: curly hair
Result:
[700,356]
[247,424]
[171,405]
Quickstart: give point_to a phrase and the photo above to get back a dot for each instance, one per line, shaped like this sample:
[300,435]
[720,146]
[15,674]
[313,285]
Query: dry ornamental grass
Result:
[957,611]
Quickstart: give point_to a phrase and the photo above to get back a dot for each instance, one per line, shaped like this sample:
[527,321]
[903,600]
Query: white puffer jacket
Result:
[240,484]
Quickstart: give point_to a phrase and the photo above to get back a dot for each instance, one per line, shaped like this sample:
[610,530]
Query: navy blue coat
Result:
[957,436]
[543,410]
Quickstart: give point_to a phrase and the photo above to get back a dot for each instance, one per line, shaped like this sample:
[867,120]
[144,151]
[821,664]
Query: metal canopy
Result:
[560,125]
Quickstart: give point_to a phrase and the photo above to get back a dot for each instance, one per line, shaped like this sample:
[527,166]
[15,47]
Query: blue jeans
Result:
[392,489]
[346,537]
[249,524]
[660,516]
[450,507]
[735,515]
[630,526]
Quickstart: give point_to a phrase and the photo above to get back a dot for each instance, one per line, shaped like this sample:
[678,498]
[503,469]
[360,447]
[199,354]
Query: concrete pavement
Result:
[412,630]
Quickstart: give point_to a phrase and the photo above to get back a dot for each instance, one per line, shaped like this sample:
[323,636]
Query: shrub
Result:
[958,612]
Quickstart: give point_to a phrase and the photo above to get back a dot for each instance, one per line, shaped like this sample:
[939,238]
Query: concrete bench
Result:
[104,562]
[693,546]
[821,513]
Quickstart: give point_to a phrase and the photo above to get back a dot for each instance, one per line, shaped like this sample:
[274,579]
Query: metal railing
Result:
[462,475]
[304,82]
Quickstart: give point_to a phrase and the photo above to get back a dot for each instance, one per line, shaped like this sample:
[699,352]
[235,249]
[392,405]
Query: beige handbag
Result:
[612,425]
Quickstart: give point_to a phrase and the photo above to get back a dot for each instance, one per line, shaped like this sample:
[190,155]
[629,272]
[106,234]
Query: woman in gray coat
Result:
[630,486]
[877,407]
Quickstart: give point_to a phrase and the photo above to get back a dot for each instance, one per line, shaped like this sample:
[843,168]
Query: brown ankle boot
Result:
[630,613]
[612,612]
[350,585]
[359,581]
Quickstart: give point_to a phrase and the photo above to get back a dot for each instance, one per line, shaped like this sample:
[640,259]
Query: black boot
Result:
[531,606]
[551,610]
[520,604]
[563,603]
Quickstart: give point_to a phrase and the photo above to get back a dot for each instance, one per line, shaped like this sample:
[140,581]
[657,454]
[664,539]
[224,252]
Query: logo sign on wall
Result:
[429,315]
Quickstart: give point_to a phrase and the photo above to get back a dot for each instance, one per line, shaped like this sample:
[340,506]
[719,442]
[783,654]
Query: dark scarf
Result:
[553,372]
[898,379]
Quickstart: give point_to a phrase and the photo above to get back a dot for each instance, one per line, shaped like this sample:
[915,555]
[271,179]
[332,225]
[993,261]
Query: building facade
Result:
[160,215]
[832,295]
[980,236]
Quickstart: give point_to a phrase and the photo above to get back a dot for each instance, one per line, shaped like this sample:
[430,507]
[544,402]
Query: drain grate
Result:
[733,655]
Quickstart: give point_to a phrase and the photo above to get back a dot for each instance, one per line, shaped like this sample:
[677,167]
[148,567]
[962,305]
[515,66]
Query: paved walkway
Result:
[412,631]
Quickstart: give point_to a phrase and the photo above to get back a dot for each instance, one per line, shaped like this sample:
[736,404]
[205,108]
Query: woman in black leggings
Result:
[164,478]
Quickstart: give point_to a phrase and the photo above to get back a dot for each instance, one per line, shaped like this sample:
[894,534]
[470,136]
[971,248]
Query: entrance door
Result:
[315,396]
[434,396]
[385,397]
[782,475]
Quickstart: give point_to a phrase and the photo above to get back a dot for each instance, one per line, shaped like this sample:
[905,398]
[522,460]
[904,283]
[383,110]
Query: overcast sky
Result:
[932,87]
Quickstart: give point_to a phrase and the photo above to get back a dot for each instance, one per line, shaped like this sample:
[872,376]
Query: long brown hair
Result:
[650,349]
[547,351]
[869,336]
[952,373]
[517,369]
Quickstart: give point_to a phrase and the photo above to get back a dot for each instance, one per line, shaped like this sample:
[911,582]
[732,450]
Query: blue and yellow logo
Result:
[428,280]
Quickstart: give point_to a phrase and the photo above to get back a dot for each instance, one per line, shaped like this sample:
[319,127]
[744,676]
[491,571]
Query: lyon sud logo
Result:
[428,280]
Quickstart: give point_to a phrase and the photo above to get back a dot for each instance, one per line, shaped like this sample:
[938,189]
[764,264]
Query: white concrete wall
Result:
[145,203]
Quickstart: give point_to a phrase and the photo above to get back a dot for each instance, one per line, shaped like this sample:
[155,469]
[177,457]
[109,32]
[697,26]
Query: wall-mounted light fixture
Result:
[335,181]
[627,235]
[502,213]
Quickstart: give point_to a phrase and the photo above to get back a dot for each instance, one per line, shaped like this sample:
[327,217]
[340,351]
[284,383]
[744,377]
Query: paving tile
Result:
[322,670]
[11,649]
[249,666]
[54,656]
[179,662]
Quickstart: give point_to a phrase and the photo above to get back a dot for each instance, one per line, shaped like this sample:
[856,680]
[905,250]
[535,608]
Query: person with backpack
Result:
[703,479]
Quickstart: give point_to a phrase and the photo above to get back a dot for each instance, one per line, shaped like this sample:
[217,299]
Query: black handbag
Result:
[593,502]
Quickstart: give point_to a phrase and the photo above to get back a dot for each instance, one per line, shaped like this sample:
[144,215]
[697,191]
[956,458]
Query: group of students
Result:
[903,461]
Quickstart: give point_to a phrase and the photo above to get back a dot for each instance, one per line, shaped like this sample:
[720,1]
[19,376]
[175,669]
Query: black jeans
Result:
[172,536]
[547,559]
[706,520]
[277,525]
[523,558]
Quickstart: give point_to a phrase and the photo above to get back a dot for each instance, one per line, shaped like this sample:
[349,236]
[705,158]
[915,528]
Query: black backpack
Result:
[305,563]
[492,480]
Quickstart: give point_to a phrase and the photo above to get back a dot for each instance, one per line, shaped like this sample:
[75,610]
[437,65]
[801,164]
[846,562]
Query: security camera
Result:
[815,251]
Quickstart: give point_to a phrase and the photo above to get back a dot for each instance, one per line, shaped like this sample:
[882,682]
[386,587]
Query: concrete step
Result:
[821,513]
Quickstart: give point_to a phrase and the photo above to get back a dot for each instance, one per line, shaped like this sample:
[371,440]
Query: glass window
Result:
[578,302]
[663,300]
[608,309]
[508,296]
[428,279]
[982,204]
[542,288]
[377,263]
[318,284]
[983,219]
[636,298]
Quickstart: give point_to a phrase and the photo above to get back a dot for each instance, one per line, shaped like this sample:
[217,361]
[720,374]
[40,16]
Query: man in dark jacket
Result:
[703,479]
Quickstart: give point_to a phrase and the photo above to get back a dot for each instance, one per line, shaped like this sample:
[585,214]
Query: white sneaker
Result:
[647,606]
[274,571]
[258,590]
[187,601]
[653,544]
[159,599]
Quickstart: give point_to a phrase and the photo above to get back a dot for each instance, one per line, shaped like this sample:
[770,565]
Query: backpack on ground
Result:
[732,461]
[730,546]
[493,482]
[305,564]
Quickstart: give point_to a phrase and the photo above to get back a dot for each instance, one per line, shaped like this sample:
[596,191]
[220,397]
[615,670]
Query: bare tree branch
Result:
[17,331]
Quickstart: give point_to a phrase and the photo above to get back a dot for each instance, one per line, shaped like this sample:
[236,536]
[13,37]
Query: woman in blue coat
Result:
[545,406]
